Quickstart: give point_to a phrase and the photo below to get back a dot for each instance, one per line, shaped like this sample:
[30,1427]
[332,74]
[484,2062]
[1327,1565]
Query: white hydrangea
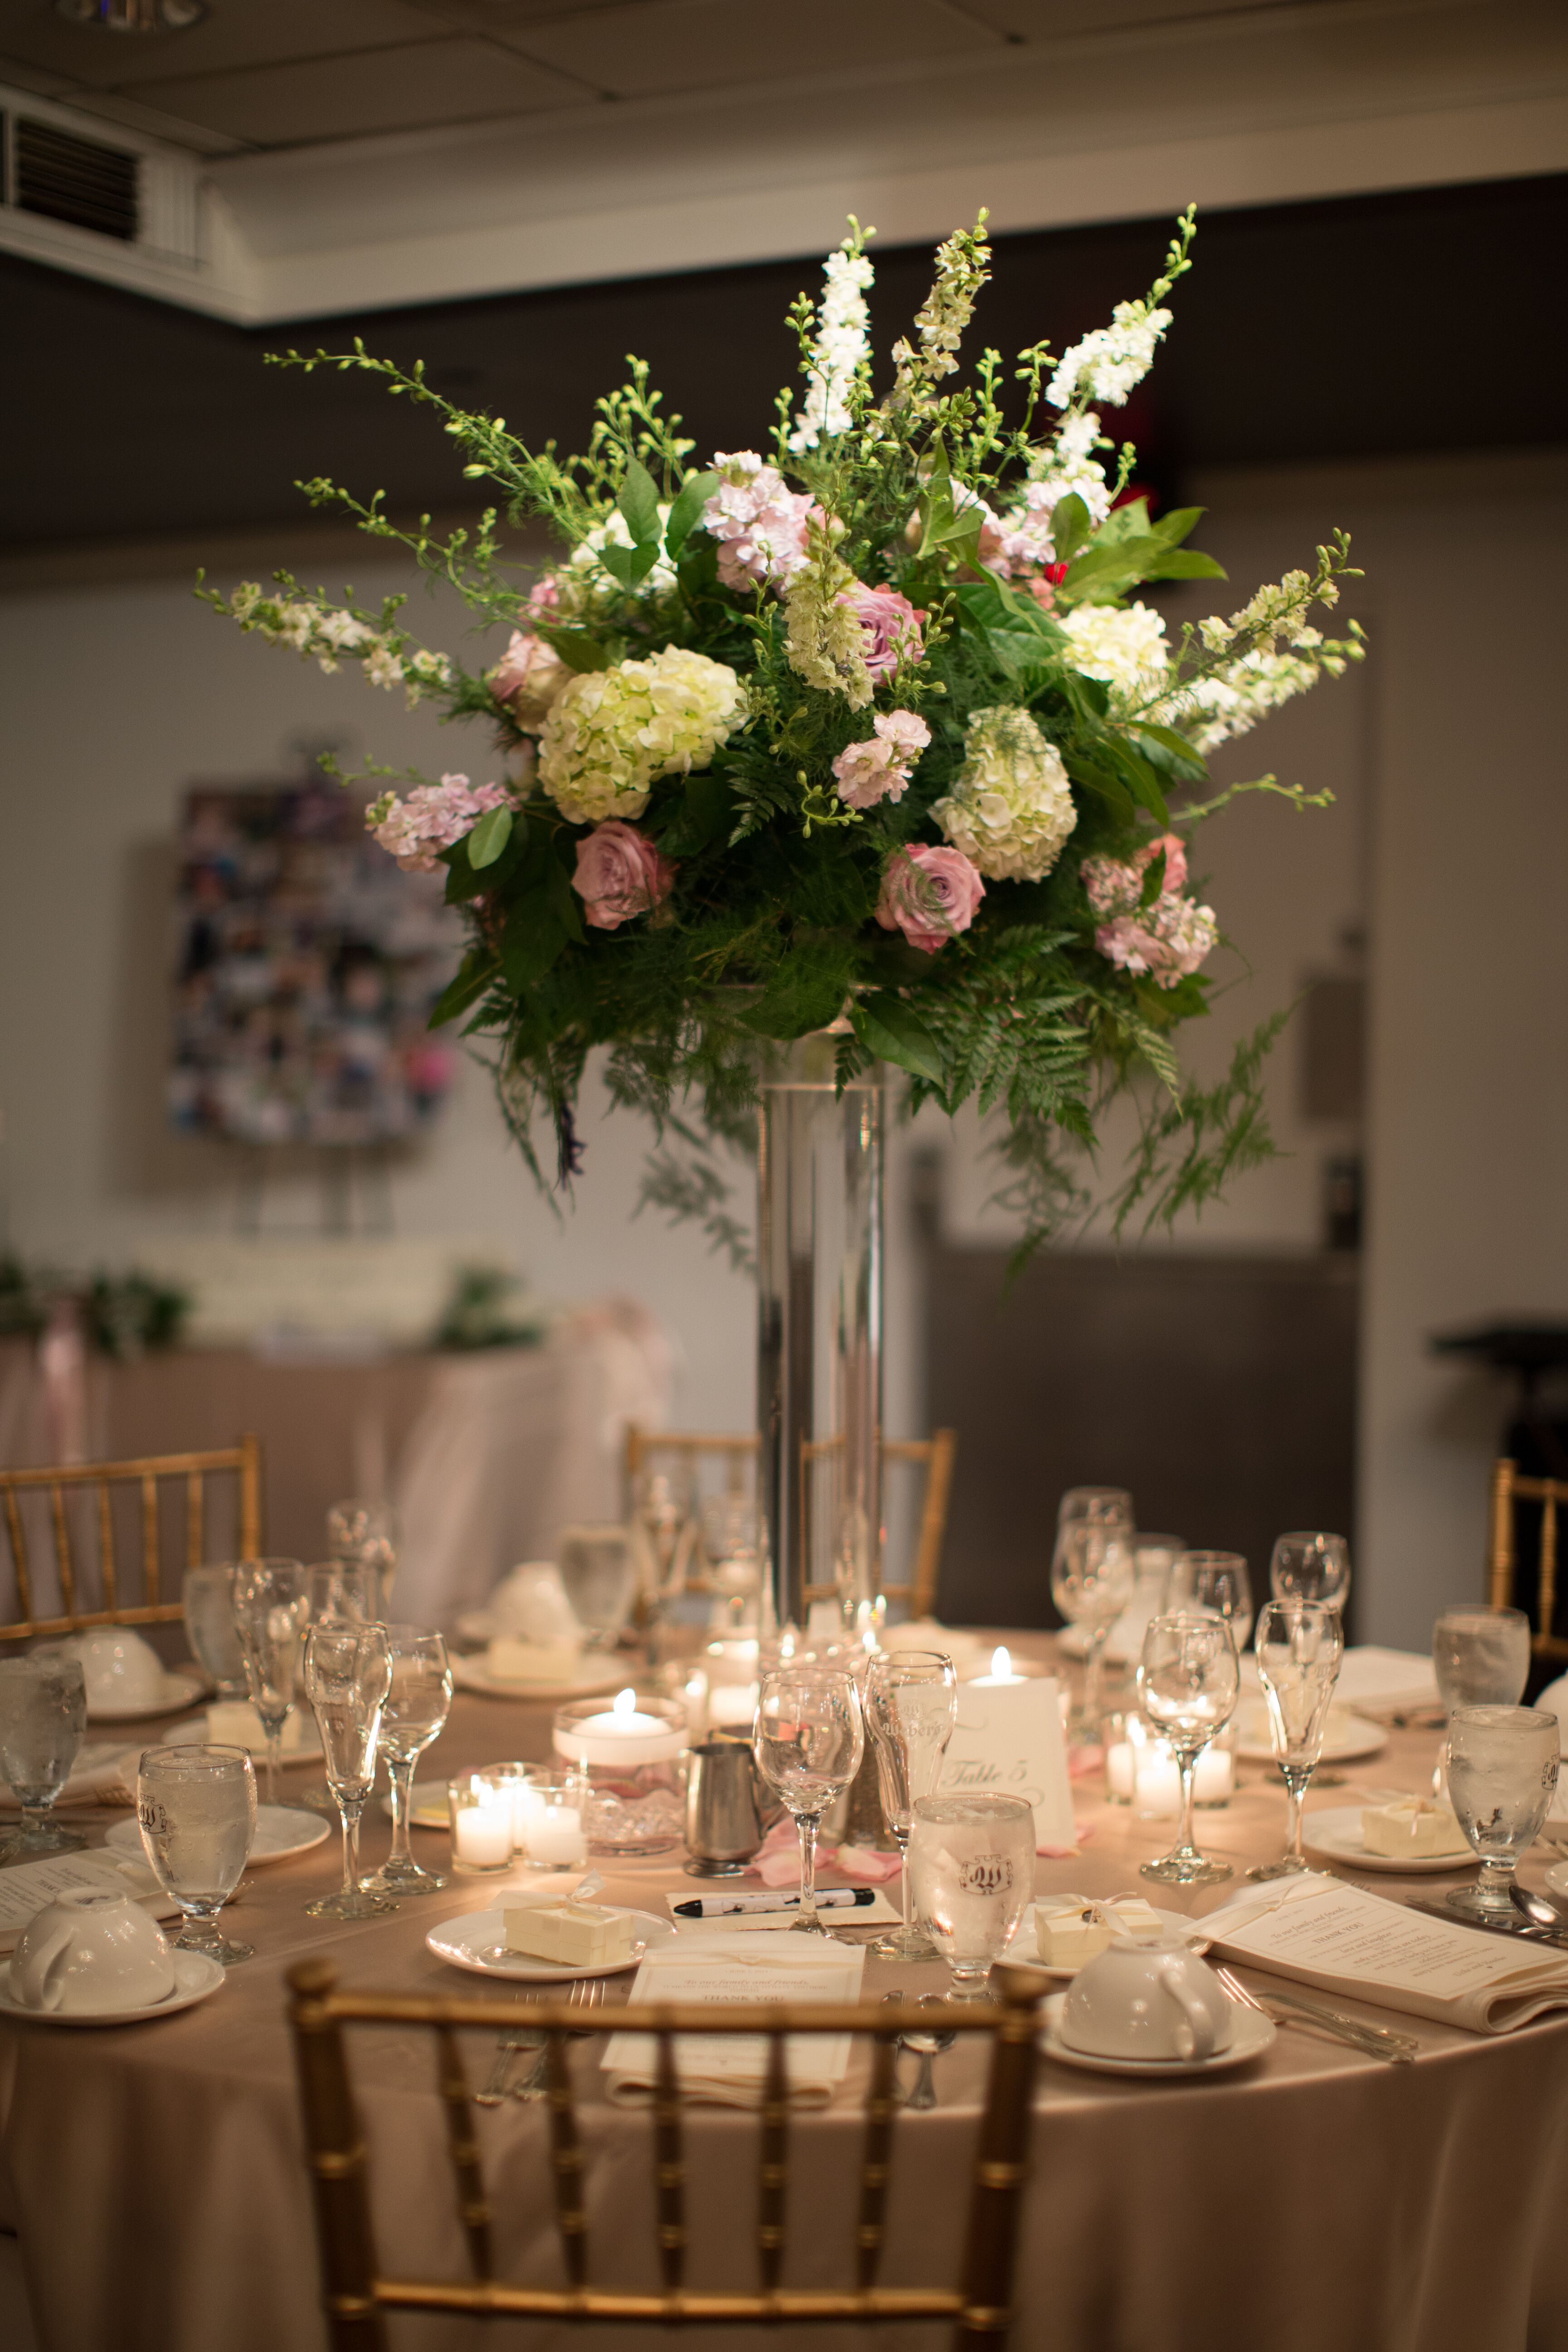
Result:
[1109,363]
[1125,645]
[1010,809]
[614,732]
[838,348]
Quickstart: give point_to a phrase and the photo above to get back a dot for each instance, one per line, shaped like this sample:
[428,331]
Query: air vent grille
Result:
[77,180]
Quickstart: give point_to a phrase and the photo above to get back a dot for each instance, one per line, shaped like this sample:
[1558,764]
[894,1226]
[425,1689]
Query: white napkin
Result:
[729,2070]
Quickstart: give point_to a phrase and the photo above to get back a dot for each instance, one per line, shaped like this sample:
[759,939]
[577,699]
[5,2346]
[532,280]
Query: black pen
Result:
[719,1906]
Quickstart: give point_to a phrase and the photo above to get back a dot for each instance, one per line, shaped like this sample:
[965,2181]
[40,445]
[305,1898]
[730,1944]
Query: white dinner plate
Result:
[1254,2033]
[190,1735]
[183,1686]
[194,1977]
[1021,1952]
[1336,1834]
[1347,1738]
[282,1832]
[469,1674]
[461,1941]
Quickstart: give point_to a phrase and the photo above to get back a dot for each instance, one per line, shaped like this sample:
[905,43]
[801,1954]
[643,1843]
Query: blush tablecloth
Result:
[1319,2199]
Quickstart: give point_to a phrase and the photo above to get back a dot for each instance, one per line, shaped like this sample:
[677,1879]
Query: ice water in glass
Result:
[971,1869]
[1503,1772]
[43,1716]
[210,1628]
[195,1807]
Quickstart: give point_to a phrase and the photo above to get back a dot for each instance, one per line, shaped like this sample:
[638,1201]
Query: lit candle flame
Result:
[1001,1664]
[625,1703]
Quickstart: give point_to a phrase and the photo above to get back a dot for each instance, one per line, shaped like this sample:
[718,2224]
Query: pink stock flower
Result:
[1169,938]
[879,770]
[758,524]
[929,894]
[1115,884]
[890,627]
[432,817]
[529,678]
[544,597]
[619,874]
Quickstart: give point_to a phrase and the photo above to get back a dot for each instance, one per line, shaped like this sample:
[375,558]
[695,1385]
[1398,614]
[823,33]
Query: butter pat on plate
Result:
[507,1660]
[574,1934]
[1412,1825]
[1071,1928]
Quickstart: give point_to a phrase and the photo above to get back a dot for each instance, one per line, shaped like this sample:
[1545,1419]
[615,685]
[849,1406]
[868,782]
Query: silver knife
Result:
[1523,1931]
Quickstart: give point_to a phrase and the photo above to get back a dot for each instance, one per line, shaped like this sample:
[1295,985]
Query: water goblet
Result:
[369,1534]
[1481,1657]
[207,1597]
[1299,1646]
[732,1546]
[1310,1566]
[1093,1571]
[663,1530]
[1211,1584]
[910,1704]
[348,1676]
[271,1610]
[1188,1679]
[195,1808]
[344,1592]
[1502,1770]
[417,1706]
[43,1714]
[808,1740]
[971,1860]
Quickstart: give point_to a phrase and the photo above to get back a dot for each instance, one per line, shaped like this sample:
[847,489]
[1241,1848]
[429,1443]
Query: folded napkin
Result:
[729,2069]
[1345,1940]
[101,1775]
[27,1886]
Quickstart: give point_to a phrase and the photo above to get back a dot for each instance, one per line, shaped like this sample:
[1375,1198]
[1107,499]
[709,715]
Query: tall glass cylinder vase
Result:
[819,1335]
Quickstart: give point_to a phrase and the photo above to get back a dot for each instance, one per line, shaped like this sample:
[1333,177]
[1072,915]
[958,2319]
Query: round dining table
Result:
[1315,2201]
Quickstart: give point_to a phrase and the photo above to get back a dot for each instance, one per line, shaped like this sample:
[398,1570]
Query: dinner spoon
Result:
[1536,1908]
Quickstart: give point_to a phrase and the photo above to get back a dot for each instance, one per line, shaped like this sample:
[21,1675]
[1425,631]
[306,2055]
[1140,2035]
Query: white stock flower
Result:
[1109,363]
[382,666]
[1123,646]
[838,348]
[1010,809]
[343,632]
[614,732]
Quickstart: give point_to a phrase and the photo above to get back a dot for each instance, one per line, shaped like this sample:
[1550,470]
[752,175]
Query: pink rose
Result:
[890,627]
[879,770]
[529,678]
[930,895]
[544,597]
[619,874]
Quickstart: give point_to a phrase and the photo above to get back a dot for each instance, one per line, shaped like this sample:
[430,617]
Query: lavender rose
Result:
[529,678]
[619,874]
[930,895]
[890,627]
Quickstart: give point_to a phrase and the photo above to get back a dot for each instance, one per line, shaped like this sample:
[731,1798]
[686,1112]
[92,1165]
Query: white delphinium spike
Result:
[841,345]
[961,272]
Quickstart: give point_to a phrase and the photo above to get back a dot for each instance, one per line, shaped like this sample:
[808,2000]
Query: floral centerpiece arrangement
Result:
[872,731]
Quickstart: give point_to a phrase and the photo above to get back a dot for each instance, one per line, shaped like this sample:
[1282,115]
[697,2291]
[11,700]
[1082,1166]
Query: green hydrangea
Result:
[1011,808]
[614,732]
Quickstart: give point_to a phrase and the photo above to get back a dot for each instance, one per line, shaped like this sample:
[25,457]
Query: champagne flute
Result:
[208,1598]
[348,1677]
[43,1714]
[1093,1570]
[912,1707]
[1310,1566]
[808,1740]
[195,1808]
[1299,1646]
[417,1706]
[271,1610]
[1188,1679]
[1211,1584]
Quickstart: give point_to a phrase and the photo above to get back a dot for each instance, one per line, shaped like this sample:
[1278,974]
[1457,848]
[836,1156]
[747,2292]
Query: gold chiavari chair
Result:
[97,1482]
[936,1452]
[357,2294]
[1502,1557]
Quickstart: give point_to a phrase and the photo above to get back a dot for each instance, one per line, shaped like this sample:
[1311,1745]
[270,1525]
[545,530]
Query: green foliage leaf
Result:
[578,648]
[1187,762]
[637,499]
[470,981]
[489,837]
[1137,776]
[629,565]
[886,1026]
[1187,563]
[533,938]
[692,497]
[1070,525]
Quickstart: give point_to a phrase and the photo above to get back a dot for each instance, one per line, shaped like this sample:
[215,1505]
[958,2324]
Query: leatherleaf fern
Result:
[873,734]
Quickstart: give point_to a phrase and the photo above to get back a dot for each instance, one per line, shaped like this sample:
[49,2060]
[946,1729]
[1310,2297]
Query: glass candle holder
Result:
[632,1755]
[479,1807]
[555,1826]
[521,1783]
[1213,1783]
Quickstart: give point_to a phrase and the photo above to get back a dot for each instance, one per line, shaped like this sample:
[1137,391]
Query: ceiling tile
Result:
[671,45]
[109,107]
[28,77]
[381,89]
[236,33]
[1048,20]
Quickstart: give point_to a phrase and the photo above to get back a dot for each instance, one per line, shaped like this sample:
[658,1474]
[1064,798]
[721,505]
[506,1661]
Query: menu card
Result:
[729,2069]
[1346,1940]
[27,1886]
[1008,1743]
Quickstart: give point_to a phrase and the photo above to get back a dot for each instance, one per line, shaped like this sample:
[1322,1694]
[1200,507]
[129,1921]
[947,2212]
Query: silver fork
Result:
[516,2038]
[1331,2024]
[586,1992]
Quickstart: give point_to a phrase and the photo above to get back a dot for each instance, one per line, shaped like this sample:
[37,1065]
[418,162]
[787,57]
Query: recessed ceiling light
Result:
[133,16]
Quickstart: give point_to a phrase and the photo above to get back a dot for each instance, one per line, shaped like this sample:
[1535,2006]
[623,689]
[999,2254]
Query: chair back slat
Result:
[876,2162]
[336,2154]
[81,1525]
[1509,1489]
[566,2161]
[1001,2167]
[1547,1587]
[772,2166]
[463,2151]
[669,2167]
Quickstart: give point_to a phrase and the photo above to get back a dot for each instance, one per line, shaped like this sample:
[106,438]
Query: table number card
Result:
[1008,1743]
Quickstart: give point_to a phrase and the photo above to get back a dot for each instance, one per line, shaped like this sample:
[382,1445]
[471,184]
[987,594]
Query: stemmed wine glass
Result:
[272,1611]
[912,1707]
[348,1677]
[808,1740]
[1310,1566]
[1211,1584]
[1502,1771]
[43,1714]
[1299,1646]
[1481,1657]
[1188,1679]
[417,1706]
[1093,1570]
[664,1533]
[368,1533]
[195,1808]
[344,1592]
[207,1599]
